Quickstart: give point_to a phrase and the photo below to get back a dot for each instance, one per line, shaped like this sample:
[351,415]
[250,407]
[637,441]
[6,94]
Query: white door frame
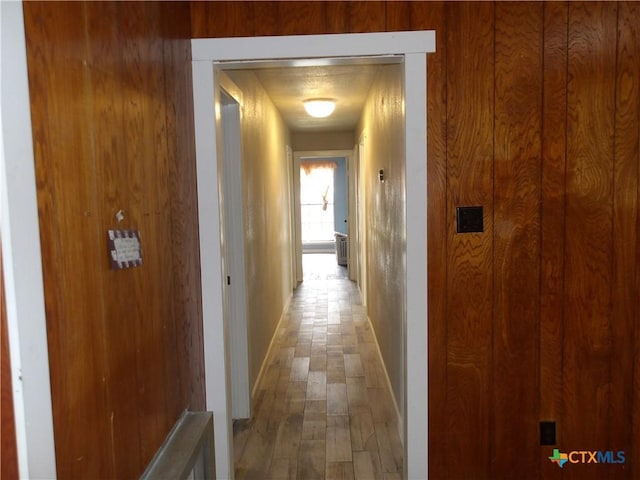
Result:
[233,248]
[352,216]
[362,221]
[292,179]
[297,158]
[209,55]
[22,259]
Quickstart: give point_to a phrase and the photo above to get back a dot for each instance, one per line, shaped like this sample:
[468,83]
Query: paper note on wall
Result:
[125,250]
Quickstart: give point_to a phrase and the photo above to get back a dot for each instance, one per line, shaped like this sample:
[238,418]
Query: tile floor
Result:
[323,410]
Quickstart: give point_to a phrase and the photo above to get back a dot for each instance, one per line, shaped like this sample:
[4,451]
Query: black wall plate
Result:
[547,433]
[469,219]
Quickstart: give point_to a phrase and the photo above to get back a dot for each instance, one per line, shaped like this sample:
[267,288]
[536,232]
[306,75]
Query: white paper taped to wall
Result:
[125,249]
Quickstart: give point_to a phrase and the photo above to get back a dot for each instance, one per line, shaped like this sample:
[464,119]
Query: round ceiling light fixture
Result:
[319,107]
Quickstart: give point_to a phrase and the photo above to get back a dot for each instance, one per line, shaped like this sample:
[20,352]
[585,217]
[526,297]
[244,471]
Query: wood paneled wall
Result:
[110,86]
[533,114]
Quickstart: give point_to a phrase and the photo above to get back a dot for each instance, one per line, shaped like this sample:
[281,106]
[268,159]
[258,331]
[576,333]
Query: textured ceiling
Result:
[289,86]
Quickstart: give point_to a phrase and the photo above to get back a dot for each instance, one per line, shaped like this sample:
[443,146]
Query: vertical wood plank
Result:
[336,18]
[626,294]
[518,125]
[552,224]
[398,16]
[470,117]
[189,356]
[297,18]
[222,19]
[142,79]
[104,47]
[632,18]
[113,49]
[266,16]
[157,282]
[182,217]
[589,224]
[99,110]
[633,15]
[186,374]
[366,16]
[72,245]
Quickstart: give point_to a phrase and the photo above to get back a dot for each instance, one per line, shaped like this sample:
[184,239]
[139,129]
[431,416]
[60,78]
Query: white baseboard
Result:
[399,419]
[265,360]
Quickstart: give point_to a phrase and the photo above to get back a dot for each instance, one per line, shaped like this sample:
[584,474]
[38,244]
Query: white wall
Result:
[322,141]
[267,210]
[385,205]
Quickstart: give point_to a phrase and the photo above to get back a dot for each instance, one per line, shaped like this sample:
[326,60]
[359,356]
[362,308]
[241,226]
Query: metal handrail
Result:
[187,452]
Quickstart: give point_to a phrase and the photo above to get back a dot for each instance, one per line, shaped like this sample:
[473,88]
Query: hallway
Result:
[323,409]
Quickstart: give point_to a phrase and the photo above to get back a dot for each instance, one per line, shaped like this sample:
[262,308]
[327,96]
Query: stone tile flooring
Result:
[323,409]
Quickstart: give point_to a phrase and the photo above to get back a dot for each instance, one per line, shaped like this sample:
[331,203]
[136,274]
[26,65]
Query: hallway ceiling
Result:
[289,86]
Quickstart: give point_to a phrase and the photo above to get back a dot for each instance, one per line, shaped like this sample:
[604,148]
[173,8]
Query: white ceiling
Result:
[348,84]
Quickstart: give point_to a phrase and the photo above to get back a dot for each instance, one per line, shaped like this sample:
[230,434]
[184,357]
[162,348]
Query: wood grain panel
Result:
[589,246]
[336,20]
[398,16]
[182,220]
[635,418]
[631,14]
[298,18]
[552,224]
[517,157]
[266,18]
[142,78]
[174,52]
[222,19]
[625,238]
[469,256]
[189,344]
[73,247]
[9,464]
[107,46]
[160,211]
[125,349]
[366,16]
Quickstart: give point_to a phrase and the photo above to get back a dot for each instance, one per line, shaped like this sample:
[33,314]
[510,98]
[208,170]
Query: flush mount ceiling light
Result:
[319,107]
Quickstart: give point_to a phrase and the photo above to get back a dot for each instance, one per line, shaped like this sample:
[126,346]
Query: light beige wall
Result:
[266,216]
[383,124]
[313,141]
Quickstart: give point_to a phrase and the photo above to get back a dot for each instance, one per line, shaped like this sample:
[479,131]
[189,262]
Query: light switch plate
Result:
[469,219]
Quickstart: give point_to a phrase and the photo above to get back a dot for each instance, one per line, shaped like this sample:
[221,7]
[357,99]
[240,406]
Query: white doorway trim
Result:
[361,231]
[293,178]
[233,248]
[211,54]
[20,236]
[297,158]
